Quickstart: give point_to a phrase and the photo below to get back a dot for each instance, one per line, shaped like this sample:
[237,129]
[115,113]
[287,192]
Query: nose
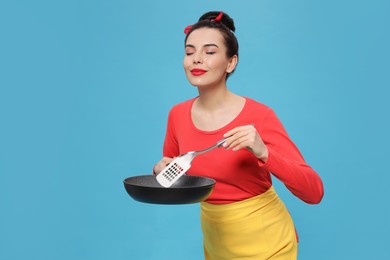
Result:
[197,58]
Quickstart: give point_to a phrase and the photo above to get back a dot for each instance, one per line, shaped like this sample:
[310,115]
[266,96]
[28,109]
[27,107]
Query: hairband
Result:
[217,19]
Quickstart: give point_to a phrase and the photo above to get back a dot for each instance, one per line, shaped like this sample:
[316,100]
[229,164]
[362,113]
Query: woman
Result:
[243,218]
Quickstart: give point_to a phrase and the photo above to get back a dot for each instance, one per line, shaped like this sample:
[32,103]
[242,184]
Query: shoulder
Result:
[181,107]
[184,103]
[265,116]
[256,106]
[259,114]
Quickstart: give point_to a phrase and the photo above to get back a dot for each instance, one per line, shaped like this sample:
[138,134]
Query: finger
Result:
[238,132]
[238,142]
[164,162]
[167,162]
[234,131]
[233,139]
[244,142]
[245,139]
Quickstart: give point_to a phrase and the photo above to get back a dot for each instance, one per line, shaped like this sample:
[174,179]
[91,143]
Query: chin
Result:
[196,82]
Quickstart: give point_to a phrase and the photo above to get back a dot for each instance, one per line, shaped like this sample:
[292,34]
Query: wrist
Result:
[264,156]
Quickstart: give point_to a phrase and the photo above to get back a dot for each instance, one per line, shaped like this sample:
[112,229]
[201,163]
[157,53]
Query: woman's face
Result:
[205,61]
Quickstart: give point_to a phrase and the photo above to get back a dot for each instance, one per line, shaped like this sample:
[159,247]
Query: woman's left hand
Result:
[246,137]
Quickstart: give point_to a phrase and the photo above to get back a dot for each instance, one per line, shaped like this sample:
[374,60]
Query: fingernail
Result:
[224,144]
[224,135]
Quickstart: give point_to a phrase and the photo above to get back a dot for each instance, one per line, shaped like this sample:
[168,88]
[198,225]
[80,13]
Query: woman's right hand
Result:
[161,164]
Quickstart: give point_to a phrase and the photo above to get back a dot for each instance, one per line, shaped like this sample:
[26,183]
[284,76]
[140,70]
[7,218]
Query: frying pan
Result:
[187,189]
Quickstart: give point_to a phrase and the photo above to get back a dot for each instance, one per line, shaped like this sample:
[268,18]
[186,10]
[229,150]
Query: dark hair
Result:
[225,26]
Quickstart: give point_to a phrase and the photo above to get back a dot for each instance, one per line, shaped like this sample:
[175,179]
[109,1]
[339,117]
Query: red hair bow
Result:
[187,29]
[217,19]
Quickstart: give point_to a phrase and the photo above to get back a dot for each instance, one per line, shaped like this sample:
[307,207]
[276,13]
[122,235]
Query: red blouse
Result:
[239,174]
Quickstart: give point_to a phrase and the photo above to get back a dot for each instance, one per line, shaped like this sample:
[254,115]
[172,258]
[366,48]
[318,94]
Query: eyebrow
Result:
[206,45]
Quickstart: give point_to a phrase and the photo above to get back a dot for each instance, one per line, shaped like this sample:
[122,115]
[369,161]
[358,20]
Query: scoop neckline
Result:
[219,129]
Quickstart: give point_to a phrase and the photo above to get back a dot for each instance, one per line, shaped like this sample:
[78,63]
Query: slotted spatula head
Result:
[174,170]
[180,165]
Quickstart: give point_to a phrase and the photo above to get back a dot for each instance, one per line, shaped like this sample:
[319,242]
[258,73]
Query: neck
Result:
[213,98]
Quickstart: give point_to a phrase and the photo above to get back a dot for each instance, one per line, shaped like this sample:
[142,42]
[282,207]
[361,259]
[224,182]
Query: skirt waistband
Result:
[237,210]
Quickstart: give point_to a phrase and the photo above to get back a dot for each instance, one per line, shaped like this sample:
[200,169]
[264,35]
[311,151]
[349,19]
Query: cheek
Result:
[186,62]
[217,64]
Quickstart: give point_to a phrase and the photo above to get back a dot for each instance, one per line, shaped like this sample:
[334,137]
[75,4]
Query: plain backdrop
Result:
[85,89]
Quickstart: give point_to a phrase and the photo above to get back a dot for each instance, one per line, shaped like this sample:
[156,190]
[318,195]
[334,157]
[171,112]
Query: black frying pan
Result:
[187,189]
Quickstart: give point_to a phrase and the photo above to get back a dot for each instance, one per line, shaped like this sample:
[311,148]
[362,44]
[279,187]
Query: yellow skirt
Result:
[257,228]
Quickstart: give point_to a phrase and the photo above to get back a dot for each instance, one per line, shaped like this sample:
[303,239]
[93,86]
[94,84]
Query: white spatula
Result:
[170,174]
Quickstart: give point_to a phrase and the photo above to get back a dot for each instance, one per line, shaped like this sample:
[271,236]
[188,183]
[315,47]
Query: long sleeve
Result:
[171,146]
[286,163]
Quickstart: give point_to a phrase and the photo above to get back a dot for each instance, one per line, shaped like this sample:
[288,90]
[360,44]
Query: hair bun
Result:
[226,19]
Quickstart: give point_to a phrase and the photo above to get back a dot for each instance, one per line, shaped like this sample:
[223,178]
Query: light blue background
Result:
[85,88]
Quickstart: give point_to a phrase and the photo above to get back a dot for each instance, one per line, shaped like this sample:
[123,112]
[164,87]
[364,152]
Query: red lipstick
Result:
[198,72]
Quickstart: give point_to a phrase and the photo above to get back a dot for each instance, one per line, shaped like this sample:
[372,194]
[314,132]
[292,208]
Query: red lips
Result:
[198,72]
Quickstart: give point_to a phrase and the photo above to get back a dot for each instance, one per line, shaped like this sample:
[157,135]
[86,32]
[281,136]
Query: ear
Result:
[232,64]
